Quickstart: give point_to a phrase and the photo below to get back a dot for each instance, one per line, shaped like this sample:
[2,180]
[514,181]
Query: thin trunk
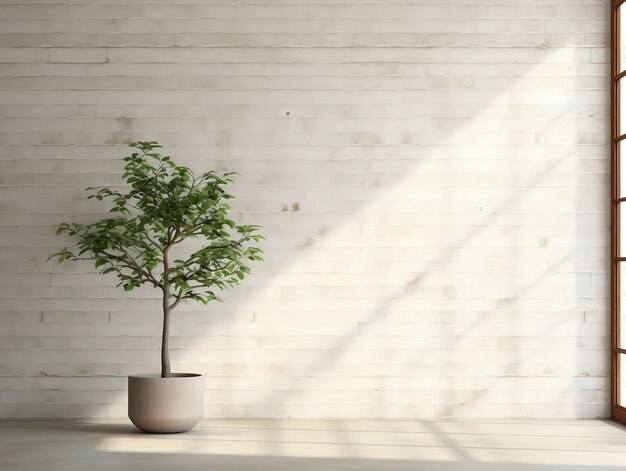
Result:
[165,353]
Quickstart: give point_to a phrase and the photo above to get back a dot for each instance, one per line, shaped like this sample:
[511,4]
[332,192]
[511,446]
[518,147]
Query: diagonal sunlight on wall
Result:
[461,301]
[434,207]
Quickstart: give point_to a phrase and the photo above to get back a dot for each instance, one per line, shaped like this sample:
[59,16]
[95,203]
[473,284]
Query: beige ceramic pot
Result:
[166,405]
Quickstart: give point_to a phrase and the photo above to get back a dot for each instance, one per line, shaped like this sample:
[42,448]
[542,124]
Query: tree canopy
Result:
[166,205]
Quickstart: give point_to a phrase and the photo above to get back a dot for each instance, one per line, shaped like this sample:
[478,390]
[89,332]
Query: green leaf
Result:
[165,204]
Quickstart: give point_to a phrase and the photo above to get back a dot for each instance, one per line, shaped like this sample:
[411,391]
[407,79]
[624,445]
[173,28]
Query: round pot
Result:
[166,405]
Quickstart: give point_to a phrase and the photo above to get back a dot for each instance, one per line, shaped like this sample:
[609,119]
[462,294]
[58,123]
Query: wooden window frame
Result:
[618,412]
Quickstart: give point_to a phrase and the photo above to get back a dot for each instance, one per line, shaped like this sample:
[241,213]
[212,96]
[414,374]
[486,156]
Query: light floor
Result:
[324,445]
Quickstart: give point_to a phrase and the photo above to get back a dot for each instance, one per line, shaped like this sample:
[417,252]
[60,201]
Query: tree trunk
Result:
[165,353]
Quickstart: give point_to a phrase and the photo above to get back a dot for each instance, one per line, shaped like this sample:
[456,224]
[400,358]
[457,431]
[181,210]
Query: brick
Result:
[9,55]
[78,55]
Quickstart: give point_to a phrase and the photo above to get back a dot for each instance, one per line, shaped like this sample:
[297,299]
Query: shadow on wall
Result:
[332,255]
[528,342]
[599,313]
[428,297]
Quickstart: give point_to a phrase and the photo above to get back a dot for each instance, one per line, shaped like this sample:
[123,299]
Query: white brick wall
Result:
[431,176]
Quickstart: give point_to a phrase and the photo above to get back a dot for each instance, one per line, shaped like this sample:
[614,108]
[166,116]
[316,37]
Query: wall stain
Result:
[125,122]
[415,280]
[307,243]
[118,138]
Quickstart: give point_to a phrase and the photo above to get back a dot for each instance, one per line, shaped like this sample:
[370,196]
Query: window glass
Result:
[622,231]
[621,392]
[621,87]
[622,168]
[622,37]
[622,301]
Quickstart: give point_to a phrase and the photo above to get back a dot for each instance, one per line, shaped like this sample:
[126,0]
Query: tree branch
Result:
[158,246]
[179,296]
[130,263]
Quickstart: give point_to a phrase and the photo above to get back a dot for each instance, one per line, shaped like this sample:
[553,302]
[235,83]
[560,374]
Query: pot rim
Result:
[173,377]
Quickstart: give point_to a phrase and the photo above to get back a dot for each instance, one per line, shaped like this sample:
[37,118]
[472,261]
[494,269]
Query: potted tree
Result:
[142,243]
